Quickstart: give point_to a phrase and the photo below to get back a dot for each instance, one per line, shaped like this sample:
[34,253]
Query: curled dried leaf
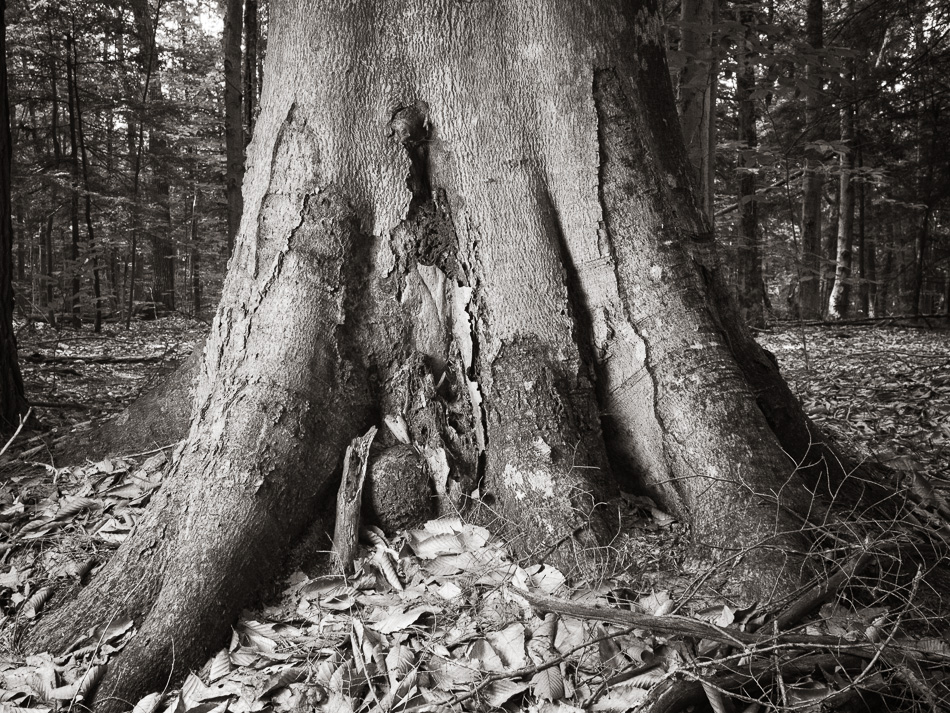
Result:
[90,680]
[387,565]
[34,605]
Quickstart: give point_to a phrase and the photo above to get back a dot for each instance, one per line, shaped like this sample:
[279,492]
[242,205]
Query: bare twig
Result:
[16,433]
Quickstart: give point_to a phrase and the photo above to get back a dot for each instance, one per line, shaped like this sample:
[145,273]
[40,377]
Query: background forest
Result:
[827,173]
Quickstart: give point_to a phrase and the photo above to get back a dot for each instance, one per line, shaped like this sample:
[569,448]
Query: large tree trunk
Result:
[12,401]
[508,214]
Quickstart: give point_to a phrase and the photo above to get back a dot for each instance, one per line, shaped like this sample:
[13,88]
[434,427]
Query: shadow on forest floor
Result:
[441,619]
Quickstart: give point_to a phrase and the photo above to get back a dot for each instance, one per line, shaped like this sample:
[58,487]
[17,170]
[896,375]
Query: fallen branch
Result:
[682,626]
[822,591]
[761,192]
[61,404]
[37,358]
[17,431]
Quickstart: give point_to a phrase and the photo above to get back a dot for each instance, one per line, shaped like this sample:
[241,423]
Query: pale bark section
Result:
[838,302]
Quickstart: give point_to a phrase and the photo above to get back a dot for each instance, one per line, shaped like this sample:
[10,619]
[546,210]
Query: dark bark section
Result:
[398,493]
[233,128]
[696,93]
[12,400]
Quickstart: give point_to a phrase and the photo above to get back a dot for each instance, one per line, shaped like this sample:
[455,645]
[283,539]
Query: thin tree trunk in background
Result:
[195,259]
[839,301]
[21,243]
[233,131]
[96,286]
[751,286]
[115,296]
[696,94]
[74,177]
[163,247]
[810,288]
[829,246]
[134,149]
[887,273]
[22,295]
[921,247]
[47,261]
[164,250]
[13,403]
[251,32]
[865,246]
[870,261]
[925,191]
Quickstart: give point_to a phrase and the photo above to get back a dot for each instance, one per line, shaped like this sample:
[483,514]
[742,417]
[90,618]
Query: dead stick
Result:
[822,592]
[17,431]
[350,497]
[700,629]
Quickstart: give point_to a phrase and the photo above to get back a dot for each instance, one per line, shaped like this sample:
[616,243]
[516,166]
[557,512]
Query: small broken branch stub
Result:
[349,498]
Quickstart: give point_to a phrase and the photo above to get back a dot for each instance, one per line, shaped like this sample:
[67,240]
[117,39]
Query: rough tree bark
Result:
[12,400]
[751,283]
[696,93]
[493,235]
[233,128]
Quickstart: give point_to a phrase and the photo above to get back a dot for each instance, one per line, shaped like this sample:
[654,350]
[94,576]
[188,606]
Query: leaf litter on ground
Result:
[454,631]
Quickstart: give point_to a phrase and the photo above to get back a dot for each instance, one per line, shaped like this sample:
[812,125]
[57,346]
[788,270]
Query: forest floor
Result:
[440,618]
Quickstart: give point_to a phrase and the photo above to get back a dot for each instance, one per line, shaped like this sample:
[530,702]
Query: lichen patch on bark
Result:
[527,482]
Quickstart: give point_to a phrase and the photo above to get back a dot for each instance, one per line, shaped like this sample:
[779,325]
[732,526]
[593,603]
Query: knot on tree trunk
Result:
[399,493]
